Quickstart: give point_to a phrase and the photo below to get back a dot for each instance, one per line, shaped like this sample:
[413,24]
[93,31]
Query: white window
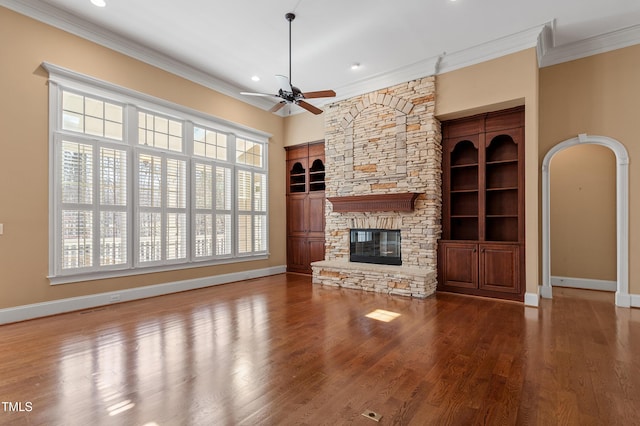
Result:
[252,211]
[140,185]
[213,211]
[159,132]
[91,116]
[162,208]
[91,186]
[209,143]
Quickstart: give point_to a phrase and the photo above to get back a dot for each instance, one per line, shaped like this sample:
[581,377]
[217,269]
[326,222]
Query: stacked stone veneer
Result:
[383,142]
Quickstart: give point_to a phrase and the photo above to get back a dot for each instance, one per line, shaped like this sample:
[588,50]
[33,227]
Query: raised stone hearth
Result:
[400,280]
[380,148]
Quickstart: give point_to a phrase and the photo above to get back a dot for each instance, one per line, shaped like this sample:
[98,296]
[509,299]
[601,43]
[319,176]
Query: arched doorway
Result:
[622,214]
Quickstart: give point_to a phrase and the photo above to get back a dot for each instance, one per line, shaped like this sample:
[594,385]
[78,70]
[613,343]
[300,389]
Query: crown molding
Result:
[491,50]
[70,23]
[546,40]
[553,55]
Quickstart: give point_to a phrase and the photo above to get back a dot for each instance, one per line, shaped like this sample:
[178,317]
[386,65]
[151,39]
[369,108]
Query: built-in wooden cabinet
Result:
[482,247]
[305,206]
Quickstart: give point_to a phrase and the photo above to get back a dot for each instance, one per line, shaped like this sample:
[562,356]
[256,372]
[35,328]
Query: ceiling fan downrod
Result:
[290,17]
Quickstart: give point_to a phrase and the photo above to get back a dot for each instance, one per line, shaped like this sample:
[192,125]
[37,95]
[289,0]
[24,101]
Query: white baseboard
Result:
[54,307]
[531,299]
[584,283]
[546,291]
[635,300]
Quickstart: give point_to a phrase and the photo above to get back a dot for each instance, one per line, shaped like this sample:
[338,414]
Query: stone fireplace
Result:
[383,172]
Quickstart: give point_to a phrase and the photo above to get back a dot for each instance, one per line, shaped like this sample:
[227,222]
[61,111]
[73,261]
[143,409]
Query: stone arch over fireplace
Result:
[401,107]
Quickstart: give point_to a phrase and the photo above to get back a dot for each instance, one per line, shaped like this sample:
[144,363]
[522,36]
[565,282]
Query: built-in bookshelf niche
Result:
[464,191]
[316,176]
[297,178]
[501,174]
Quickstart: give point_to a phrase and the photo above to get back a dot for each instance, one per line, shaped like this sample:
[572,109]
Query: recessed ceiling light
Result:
[99,3]
[255,78]
[355,66]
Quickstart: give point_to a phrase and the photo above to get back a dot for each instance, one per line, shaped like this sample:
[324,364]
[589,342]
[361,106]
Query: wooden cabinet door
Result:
[459,264]
[316,213]
[298,254]
[297,214]
[316,250]
[500,268]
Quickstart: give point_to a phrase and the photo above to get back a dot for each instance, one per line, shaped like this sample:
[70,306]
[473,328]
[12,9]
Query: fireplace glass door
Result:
[380,246]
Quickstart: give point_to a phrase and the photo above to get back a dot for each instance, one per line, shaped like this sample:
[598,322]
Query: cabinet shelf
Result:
[463,166]
[498,162]
[317,186]
[503,188]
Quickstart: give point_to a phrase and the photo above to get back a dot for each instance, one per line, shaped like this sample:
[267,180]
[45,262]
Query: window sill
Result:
[117,273]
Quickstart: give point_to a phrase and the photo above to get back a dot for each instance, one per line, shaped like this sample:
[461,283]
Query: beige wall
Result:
[583,213]
[303,127]
[497,84]
[598,95]
[24,45]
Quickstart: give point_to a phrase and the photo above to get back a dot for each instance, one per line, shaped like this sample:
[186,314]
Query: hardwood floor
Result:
[279,351]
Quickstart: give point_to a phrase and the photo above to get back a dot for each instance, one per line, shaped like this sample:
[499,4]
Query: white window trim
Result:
[61,78]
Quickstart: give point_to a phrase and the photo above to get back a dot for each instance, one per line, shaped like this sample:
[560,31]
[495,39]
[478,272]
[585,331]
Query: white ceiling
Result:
[222,44]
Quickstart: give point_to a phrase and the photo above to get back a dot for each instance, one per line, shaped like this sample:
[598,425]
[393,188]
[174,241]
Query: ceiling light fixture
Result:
[255,78]
[99,3]
[355,66]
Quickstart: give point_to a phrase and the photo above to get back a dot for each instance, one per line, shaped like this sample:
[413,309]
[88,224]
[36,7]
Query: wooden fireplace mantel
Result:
[402,202]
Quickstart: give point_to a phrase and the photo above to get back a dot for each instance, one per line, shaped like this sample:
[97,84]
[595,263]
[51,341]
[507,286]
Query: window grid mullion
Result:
[187,149]
[213,211]
[163,203]
[96,206]
[131,139]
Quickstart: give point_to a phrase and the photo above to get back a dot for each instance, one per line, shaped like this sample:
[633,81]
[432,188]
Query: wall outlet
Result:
[1,228]
[114,298]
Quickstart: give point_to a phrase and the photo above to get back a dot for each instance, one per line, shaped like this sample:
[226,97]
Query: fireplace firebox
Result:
[381,246]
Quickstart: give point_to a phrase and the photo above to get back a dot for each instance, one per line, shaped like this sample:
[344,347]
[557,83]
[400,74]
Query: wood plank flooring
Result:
[279,351]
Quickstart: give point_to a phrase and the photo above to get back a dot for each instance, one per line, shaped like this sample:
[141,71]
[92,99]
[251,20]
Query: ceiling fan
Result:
[290,94]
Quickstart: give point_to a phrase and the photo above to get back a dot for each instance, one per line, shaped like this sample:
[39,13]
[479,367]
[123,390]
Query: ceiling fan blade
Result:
[284,83]
[277,106]
[309,107]
[268,95]
[319,94]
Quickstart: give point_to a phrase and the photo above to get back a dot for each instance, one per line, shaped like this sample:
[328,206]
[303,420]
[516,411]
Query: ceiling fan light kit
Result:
[290,94]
